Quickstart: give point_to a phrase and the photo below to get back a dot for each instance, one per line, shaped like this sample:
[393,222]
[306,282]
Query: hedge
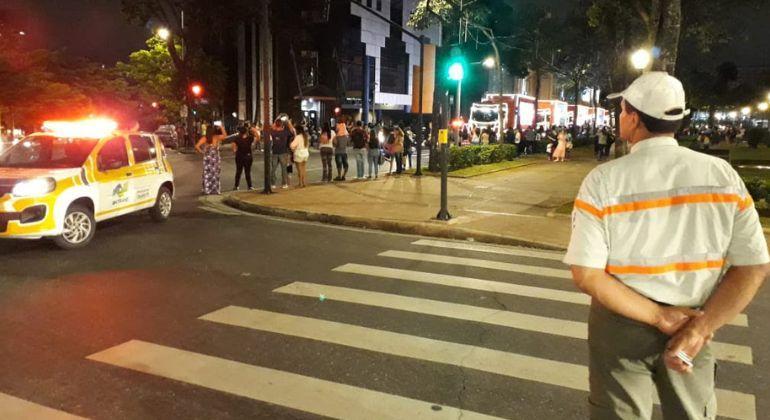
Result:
[463,157]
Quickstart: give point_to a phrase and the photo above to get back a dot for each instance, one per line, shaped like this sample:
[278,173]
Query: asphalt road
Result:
[218,314]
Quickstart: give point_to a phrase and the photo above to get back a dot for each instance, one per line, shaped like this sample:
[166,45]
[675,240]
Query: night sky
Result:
[97,29]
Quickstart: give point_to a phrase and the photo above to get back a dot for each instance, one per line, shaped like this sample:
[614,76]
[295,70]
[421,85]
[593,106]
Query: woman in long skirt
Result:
[561,148]
[208,146]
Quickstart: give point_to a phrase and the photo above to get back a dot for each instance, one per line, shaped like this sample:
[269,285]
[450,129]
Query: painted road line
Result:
[491,249]
[473,262]
[12,408]
[480,284]
[569,375]
[540,324]
[286,389]
[499,317]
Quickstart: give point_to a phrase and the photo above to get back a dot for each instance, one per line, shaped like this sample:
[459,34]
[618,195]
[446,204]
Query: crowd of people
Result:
[370,146]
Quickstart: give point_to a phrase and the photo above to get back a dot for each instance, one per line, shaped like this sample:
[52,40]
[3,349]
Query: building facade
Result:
[330,58]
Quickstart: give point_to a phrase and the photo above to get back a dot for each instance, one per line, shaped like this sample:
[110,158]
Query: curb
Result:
[412,228]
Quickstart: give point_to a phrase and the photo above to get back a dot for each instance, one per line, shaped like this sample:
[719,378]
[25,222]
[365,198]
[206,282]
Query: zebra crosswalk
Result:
[535,269]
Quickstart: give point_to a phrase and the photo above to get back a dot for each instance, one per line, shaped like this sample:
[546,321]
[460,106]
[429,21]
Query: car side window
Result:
[143,148]
[113,155]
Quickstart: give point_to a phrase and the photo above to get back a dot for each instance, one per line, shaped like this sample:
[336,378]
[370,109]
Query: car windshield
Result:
[47,152]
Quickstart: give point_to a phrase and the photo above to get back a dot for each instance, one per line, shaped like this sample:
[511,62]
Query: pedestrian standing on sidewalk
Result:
[408,144]
[358,138]
[668,243]
[340,142]
[300,146]
[373,152]
[561,147]
[242,145]
[326,148]
[397,150]
[208,146]
[281,135]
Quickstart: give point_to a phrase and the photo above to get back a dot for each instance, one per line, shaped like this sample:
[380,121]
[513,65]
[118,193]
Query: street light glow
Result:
[489,62]
[641,59]
[164,33]
[746,110]
[762,106]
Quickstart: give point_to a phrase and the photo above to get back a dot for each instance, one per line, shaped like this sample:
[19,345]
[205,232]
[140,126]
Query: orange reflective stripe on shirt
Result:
[580,204]
[665,202]
[666,268]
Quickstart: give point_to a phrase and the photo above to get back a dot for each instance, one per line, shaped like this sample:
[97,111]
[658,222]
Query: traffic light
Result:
[196,89]
[456,71]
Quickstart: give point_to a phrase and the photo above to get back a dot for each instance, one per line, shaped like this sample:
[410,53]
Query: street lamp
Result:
[762,106]
[164,34]
[746,110]
[489,62]
[641,59]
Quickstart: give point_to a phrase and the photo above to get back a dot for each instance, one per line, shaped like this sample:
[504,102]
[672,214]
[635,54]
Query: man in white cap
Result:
[668,244]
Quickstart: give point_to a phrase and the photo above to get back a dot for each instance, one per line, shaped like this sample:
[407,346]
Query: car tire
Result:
[161,211]
[79,228]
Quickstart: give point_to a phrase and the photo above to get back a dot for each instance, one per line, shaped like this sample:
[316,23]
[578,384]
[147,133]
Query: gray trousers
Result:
[626,365]
[281,160]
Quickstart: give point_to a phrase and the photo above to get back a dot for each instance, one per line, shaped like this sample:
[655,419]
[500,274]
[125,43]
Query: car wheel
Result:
[163,205]
[79,228]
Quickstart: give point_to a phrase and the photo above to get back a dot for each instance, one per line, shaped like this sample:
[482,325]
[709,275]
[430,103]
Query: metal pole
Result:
[265,63]
[420,120]
[443,214]
[459,95]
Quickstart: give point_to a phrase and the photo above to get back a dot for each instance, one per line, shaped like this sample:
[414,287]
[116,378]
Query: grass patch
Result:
[747,154]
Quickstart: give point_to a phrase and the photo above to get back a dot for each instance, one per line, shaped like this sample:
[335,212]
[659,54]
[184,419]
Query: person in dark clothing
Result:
[373,153]
[281,137]
[408,143]
[242,144]
[358,138]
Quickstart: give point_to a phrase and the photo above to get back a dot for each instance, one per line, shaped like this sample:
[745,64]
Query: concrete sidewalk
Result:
[510,207]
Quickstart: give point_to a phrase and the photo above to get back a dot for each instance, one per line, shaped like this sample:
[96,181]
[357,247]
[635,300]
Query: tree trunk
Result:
[575,129]
[537,97]
[667,35]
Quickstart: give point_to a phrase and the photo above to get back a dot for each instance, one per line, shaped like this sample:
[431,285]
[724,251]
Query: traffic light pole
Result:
[443,214]
[266,128]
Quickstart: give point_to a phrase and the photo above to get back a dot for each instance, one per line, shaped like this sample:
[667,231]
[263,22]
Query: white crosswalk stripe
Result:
[291,390]
[490,249]
[332,399]
[13,408]
[473,262]
[481,285]
[541,324]
[569,375]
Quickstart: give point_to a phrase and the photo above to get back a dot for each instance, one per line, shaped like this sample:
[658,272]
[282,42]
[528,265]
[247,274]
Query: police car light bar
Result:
[94,128]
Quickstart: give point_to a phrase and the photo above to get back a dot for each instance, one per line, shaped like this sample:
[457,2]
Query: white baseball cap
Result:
[656,94]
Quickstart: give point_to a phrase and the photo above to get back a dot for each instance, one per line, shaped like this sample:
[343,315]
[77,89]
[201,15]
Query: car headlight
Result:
[34,187]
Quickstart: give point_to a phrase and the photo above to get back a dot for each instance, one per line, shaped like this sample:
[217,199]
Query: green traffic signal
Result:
[456,71]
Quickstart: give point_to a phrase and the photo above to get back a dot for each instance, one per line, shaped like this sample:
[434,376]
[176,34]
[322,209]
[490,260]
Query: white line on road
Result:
[504,318]
[482,285]
[519,252]
[12,408]
[473,262]
[730,403]
[291,390]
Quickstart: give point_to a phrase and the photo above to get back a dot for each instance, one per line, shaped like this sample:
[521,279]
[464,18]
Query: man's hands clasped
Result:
[687,335]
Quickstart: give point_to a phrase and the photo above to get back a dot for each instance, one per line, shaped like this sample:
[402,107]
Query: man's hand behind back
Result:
[671,319]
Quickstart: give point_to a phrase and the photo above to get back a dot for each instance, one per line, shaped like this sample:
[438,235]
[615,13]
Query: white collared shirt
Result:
[666,221]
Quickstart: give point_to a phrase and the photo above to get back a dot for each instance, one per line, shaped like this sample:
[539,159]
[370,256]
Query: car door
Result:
[146,169]
[114,178]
